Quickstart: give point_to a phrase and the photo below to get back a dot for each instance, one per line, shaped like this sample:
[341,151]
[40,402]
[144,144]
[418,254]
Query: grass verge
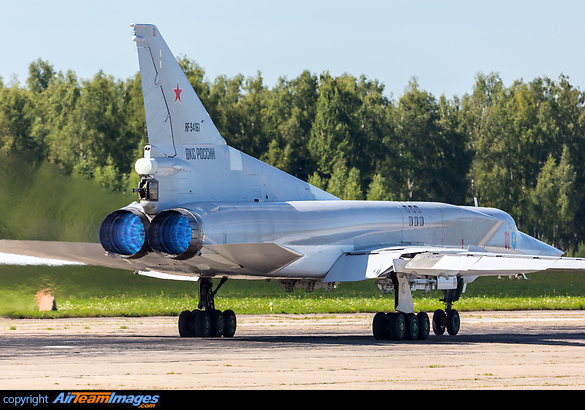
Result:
[86,291]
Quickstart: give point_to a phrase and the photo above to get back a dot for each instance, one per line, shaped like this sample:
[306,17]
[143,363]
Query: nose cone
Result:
[532,246]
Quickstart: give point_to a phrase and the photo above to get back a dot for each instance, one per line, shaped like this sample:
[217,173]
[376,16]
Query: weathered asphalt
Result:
[502,350]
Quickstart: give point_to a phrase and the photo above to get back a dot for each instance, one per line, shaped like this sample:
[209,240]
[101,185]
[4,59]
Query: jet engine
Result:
[176,233]
[123,233]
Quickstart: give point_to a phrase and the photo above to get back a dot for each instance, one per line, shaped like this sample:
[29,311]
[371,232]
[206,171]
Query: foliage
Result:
[528,150]
[519,148]
[41,202]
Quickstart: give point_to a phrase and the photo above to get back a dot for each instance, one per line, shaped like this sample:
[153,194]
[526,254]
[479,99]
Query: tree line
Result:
[518,148]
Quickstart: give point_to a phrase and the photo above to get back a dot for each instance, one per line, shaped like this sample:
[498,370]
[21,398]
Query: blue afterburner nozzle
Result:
[123,233]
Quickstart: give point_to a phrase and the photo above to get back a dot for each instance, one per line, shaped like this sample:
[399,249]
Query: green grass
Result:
[83,291]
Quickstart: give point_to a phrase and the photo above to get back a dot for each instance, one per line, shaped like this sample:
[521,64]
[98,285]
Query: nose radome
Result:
[533,246]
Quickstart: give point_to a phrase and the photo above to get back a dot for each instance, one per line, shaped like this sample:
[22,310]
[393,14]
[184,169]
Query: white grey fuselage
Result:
[319,232]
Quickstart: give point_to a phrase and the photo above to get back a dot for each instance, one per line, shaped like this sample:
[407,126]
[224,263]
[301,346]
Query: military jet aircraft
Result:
[207,210]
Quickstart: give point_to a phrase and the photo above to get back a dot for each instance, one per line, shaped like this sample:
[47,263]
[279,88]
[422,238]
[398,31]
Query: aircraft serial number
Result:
[192,127]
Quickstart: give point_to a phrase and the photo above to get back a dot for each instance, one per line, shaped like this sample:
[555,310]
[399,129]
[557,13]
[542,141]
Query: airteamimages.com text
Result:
[82,398]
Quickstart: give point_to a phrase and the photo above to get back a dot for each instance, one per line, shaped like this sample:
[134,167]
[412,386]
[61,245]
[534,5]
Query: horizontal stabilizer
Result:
[22,260]
[57,254]
[244,258]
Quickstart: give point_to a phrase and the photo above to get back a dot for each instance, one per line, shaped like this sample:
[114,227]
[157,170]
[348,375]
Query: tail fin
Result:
[174,114]
[190,161]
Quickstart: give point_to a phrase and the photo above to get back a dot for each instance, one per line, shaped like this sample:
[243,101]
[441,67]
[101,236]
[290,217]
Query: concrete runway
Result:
[502,350]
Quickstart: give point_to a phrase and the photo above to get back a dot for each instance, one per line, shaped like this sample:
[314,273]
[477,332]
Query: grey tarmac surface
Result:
[500,350]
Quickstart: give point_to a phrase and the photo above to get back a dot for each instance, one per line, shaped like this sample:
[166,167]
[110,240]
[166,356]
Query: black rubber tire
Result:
[380,326]
[202,323]
[396,326]
[439,319]
[230,323]
[186,324]
[217,323]
[424,326]
[453,322]
[411,329]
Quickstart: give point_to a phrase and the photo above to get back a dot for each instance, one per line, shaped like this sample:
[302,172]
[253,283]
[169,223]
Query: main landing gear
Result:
[206,321]
[398,326]
[404,324]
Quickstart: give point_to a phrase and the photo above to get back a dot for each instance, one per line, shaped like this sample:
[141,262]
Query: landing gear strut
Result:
[404,324]
[206,321]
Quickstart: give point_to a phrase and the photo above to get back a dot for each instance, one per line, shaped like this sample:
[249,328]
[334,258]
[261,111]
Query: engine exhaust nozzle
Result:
[176,233]
[123,233]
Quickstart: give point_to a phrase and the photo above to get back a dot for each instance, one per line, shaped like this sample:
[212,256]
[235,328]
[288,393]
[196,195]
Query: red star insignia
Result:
[178,92]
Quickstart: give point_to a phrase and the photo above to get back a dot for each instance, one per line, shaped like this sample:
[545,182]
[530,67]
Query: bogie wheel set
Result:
[207,321]
[401,326]
[202,323]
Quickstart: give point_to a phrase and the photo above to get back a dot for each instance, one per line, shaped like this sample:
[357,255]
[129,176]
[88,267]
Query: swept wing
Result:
[445,262]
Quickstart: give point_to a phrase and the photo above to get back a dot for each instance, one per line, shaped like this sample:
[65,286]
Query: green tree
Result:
[514,131]
[16,118]
[331,128]
[353,189]
[278,157]
[40,75]
[240,103]
[196,76]
[100,132]
[56,120]
[318,181]
[350,121]
[553,199]
[288,118]
[338,181]
[434,156]
[377,191]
